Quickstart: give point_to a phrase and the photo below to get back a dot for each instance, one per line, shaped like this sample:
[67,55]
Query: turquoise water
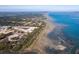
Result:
[71,19]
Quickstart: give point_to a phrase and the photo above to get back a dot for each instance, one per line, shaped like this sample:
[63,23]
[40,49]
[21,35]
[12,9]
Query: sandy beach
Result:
[43,42]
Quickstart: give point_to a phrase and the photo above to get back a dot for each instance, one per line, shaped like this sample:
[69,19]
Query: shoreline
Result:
[44,43]
[43,39]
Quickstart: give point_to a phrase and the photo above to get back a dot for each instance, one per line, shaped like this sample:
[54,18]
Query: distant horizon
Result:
[39,11]
[38,8]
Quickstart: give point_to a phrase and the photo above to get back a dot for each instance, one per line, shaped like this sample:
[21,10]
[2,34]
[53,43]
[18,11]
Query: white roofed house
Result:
[13,37]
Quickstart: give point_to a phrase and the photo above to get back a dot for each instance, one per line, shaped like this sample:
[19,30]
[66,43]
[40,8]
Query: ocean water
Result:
[71,19]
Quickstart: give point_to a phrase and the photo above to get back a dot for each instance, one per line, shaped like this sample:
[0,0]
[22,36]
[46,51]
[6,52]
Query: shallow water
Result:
[71,19]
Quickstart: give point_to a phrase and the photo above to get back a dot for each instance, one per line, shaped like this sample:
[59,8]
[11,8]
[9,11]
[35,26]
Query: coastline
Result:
[43,40]
[44,43]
